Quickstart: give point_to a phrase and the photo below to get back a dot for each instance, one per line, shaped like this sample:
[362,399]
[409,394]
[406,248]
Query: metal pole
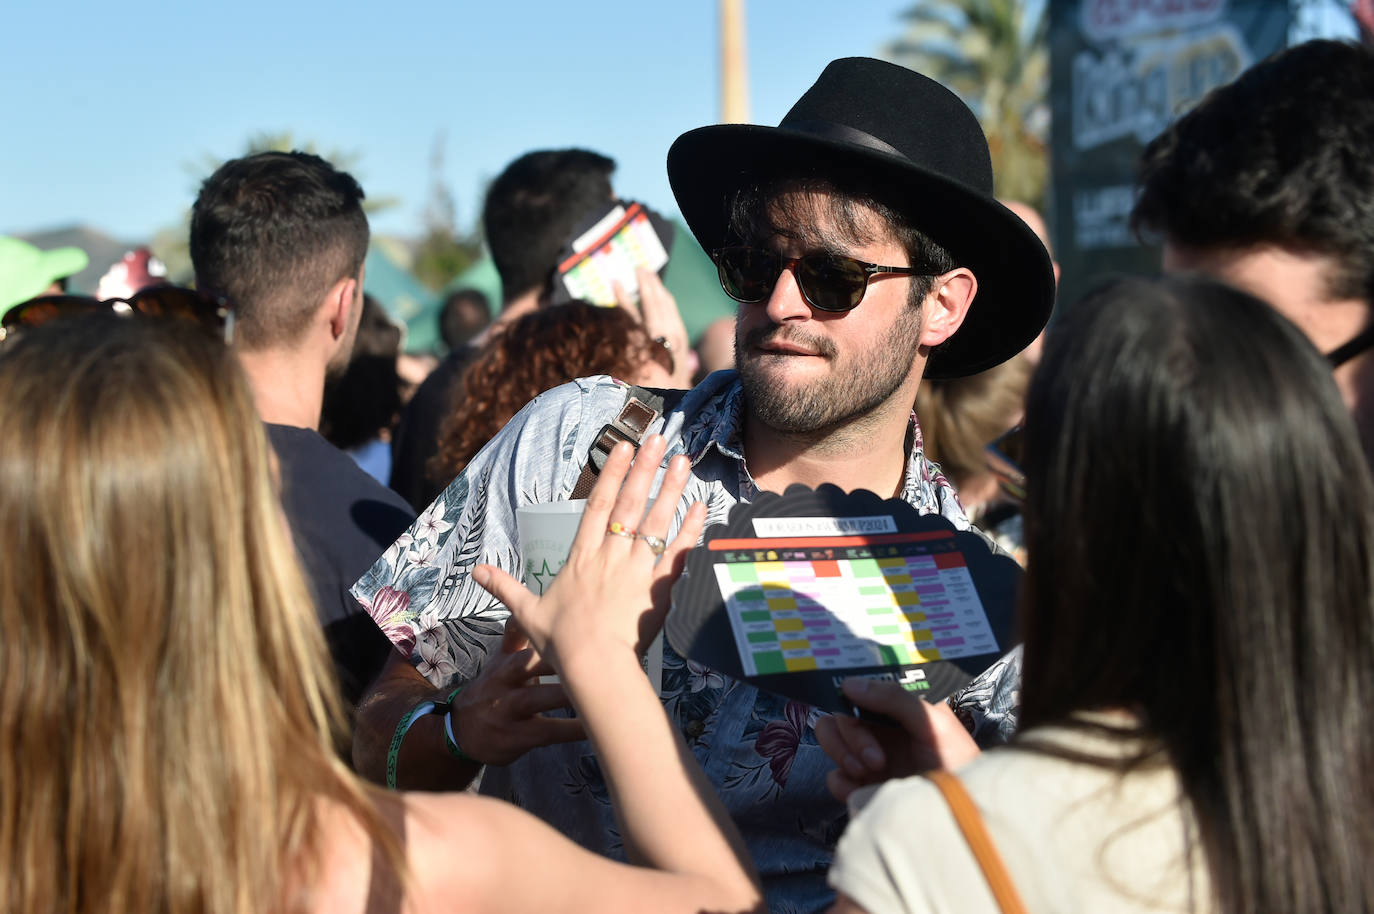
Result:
[734,71]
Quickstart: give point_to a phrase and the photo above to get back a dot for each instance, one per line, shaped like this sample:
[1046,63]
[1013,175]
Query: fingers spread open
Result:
[591,532]
[515,595]
[660,515]
[629,504]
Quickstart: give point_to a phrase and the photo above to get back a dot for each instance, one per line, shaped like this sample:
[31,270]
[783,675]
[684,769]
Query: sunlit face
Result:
[806,371]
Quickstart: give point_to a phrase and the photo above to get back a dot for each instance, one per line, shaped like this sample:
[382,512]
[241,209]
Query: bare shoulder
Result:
[461,845]
[349,873]
[353,878]
[499,858]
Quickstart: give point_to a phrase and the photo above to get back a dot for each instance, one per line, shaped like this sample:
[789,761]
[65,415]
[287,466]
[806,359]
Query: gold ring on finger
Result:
[656,544]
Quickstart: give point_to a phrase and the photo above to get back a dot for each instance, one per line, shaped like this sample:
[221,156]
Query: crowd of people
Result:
[267,645]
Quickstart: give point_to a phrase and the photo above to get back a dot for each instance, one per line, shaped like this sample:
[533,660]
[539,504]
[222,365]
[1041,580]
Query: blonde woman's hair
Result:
[167,711]
[960,417]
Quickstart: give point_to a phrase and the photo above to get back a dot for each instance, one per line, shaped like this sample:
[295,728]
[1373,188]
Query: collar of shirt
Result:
[718,425]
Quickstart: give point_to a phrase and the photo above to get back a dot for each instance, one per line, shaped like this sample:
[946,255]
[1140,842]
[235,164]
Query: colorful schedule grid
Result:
[629,242]
[819,603]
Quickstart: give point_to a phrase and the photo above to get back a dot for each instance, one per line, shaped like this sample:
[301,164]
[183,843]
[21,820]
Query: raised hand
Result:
[603,596]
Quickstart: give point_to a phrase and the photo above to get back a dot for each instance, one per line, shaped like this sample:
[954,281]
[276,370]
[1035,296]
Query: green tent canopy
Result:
[403,296]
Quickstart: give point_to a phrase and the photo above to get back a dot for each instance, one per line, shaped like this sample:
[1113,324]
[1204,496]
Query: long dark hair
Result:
[1199,524]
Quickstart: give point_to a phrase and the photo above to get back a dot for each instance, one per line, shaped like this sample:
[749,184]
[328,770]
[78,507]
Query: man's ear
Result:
[338,305]
[947,305]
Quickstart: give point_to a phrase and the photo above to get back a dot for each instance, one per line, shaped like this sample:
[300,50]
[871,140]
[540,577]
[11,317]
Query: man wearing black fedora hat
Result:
[864,245]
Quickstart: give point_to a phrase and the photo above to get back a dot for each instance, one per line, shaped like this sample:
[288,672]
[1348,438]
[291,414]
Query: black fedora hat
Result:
[917,148]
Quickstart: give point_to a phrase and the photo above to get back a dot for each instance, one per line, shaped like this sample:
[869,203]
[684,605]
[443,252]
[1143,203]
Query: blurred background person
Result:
[531,211]
[716,347]
[283,236]
[363,403]
[960,418]
[1268,184]
[136,270]
[465,314]
[27,272]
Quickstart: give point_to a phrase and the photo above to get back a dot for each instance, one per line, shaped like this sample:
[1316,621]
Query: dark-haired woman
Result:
[1198,625]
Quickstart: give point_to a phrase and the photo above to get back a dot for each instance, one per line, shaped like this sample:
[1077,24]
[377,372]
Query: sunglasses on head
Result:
[828,282]
[156,301]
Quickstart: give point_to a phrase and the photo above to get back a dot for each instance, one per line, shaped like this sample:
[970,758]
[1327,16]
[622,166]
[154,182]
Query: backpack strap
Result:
[642,406]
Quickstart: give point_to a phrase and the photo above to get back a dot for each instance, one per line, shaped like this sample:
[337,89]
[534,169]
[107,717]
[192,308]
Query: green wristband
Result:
[450,741]
[402,728]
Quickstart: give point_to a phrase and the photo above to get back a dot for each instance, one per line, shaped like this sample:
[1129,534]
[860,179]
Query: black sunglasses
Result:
[828,282]
[156,301]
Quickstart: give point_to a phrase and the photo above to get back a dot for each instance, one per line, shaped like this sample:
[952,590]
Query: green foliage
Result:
[445,252]
[285,141]
[172,244]
[443,255]
[995,55]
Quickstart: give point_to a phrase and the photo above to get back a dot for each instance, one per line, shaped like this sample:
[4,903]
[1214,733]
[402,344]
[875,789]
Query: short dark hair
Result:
[273,232]
[793,206]
[464,314]
[1200,532]
[1280,156]
[533,207]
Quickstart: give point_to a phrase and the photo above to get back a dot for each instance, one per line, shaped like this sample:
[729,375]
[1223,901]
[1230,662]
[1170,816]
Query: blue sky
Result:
[113,110]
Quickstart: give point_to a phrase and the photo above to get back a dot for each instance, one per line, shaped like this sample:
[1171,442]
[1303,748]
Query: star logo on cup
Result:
[543,576]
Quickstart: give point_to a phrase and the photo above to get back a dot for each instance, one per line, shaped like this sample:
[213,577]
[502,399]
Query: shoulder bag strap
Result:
[642,406]
[979,841]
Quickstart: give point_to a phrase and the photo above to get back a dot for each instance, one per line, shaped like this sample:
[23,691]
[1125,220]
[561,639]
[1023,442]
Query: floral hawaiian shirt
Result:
[758,750]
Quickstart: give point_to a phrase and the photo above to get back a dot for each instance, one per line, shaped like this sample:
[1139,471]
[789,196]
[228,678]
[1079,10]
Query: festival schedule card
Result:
[849,601]
[625,238]
[798,591]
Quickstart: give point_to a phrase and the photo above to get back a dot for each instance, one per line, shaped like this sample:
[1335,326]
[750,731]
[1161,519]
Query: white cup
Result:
[546,535]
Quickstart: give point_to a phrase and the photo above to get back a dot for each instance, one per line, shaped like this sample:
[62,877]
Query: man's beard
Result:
[854,387]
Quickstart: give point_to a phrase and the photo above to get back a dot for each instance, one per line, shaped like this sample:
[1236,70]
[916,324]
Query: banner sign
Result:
[1121,71]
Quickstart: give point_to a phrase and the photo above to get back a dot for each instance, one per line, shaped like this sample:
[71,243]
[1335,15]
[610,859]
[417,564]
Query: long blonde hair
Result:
[167,715]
